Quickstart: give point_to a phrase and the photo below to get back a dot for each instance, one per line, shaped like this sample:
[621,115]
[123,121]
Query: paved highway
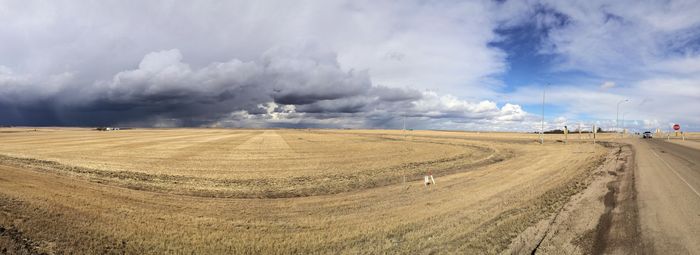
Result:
[668,196]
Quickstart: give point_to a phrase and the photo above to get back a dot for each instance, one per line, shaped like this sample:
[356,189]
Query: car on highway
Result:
[646,134]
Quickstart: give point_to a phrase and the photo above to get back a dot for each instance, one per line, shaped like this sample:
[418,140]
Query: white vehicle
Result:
[646,134]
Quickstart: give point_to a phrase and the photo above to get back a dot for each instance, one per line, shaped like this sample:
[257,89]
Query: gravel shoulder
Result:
[602,219]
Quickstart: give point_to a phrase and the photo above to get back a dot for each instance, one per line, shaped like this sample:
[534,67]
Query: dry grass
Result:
[243,163]
[475,208]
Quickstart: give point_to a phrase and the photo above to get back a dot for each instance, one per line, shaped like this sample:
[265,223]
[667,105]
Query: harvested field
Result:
[244,163]
[280,191]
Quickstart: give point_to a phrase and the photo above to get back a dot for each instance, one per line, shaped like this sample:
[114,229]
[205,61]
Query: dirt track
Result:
[602,219]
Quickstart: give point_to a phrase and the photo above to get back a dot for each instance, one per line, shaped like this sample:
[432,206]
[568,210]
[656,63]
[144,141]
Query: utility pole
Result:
[404,122]
[617,115]
[405,149]
[579,130]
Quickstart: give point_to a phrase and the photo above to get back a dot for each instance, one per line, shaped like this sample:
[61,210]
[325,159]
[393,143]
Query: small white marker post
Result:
[429,180]
[594,132]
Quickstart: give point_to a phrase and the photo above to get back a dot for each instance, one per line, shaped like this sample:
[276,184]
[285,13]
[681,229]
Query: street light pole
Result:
[623,124]
[542,127]
[617,115]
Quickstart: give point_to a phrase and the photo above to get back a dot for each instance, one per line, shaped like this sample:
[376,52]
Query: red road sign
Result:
[676,127]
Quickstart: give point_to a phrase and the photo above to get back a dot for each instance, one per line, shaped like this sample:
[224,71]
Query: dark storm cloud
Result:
[395,94]
[346,105]
[163,87]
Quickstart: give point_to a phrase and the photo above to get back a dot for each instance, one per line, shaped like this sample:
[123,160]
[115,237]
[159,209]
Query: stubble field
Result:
[280,191]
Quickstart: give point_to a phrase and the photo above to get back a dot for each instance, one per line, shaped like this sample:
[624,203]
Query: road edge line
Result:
[675,172]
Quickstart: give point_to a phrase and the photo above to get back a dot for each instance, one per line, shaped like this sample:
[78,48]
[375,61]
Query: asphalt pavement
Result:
[667,182]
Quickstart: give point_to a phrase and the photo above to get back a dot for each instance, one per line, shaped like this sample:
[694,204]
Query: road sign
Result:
[676,127]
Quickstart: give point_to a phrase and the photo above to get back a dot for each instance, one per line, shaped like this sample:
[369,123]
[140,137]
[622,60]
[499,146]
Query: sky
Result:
[457,65]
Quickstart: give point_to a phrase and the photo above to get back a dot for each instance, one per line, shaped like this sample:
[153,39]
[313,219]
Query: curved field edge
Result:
[295,186]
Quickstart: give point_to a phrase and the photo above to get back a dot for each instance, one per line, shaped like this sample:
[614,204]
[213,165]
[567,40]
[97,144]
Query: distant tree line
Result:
[561,131]
[109,128]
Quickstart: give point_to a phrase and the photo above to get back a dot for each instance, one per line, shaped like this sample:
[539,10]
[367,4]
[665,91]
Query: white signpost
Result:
[429,180]
[595,132]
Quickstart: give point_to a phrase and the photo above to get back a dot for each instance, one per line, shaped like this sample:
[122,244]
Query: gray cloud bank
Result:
[296,86]
[342,63]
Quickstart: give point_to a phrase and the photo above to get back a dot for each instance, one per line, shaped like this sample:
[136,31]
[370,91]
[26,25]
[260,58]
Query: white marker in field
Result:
[594,132]
[429,180]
